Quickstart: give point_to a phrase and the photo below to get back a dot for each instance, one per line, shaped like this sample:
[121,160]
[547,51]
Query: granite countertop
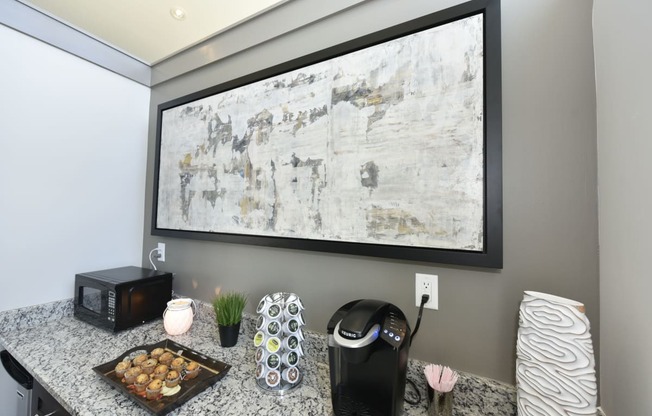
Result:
[60,352]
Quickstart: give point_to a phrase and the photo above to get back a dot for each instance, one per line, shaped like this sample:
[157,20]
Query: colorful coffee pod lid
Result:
[291,374]
[292,309]
[259,338]
[261,370]
[274,310]
[299,334]
[291,358]
[273,328]
[260,322]
[276,297]
[273,344]
[291,326]
[291,343]
[273,378]
[299,350]
[273,361]
[261,353]
[261,305]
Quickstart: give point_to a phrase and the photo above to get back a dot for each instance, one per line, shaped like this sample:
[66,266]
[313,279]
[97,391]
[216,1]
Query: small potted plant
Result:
[228,312]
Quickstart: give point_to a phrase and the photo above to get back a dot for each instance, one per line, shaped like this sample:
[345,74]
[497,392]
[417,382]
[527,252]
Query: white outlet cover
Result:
[433,279]
[161,252]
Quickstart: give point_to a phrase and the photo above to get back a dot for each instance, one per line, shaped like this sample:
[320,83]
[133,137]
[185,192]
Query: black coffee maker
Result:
[368,344]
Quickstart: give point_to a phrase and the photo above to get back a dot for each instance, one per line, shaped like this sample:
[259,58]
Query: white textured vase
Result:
[555,365]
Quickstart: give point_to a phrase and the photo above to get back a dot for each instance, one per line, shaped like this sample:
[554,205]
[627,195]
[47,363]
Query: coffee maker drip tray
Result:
[347,405]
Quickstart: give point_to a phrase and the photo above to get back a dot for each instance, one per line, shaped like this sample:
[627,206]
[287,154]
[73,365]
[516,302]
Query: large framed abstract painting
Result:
[388,145]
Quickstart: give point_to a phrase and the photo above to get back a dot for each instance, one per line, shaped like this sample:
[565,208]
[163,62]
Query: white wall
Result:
[73,143]
[623,55]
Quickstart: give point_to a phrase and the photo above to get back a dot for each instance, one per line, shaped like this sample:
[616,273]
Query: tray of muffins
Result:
[161,377]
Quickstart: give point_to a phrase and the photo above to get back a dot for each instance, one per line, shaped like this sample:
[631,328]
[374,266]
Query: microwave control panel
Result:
[111,304]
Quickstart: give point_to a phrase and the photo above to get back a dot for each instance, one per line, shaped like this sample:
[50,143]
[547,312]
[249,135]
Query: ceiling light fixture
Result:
[178,13]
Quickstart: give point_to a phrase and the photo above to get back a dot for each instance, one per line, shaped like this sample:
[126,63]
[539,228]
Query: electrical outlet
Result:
[426,284]
[161,252]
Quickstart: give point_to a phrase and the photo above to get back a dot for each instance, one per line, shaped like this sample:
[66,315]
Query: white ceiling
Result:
[145,29]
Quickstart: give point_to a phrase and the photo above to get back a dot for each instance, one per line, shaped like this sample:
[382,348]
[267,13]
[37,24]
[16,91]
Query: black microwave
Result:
[122,298]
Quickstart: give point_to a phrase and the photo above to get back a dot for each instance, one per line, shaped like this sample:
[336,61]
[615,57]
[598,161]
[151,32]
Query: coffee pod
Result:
[259,338]
[273,344]
[276,297]
[299,318]
[291,310]
[291,343]
[273,361]
[291,326]
[273,378]
[261,322]
[299,334]
[273,311]
[273,328]
[291,358]
[262,305]
[261,370]
[261,354]
[291,375]
[299,350]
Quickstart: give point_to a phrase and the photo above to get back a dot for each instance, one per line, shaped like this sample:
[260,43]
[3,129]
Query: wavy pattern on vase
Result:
[555,365]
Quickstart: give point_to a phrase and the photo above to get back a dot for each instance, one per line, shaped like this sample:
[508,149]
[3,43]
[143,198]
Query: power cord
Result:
[150,257]
[424,300]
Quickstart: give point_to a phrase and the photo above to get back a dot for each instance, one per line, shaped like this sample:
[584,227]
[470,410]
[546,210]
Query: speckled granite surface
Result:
[61,351]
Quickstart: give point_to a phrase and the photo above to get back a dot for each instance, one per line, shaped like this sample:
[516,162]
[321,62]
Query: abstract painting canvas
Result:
[374,151]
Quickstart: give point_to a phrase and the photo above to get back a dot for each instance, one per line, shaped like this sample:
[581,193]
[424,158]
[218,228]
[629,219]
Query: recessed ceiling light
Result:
[178,13]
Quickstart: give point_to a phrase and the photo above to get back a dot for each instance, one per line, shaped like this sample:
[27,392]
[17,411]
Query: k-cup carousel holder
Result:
[279,342]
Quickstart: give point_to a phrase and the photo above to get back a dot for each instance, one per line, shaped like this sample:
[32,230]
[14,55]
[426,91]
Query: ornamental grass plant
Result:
[229,307]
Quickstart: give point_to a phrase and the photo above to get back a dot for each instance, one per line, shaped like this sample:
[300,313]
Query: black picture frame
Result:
[491,253]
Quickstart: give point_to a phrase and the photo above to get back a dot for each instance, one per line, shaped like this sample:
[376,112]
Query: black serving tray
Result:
[211,372]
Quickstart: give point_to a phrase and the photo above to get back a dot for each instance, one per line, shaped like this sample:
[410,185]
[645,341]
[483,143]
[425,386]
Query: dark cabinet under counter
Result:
[43,404]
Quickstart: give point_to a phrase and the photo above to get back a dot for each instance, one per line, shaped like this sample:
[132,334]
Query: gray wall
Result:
[623,60]
[550,198]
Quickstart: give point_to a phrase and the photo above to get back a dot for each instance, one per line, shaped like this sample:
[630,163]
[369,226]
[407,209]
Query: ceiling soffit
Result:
[272,23]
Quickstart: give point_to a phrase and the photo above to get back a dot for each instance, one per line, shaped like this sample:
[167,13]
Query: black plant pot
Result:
[229,334]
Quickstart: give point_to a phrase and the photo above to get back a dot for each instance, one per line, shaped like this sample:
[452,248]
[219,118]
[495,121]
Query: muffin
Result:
[121,368]
[153,389]
[177,364]
[161,371]
[166,358]
[131,374]
[140,359]
[141,382]
[192,369]
[157,352]
[149,365]
[172,379]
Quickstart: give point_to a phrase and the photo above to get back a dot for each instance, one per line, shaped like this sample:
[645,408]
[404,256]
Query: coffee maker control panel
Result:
[394,329]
